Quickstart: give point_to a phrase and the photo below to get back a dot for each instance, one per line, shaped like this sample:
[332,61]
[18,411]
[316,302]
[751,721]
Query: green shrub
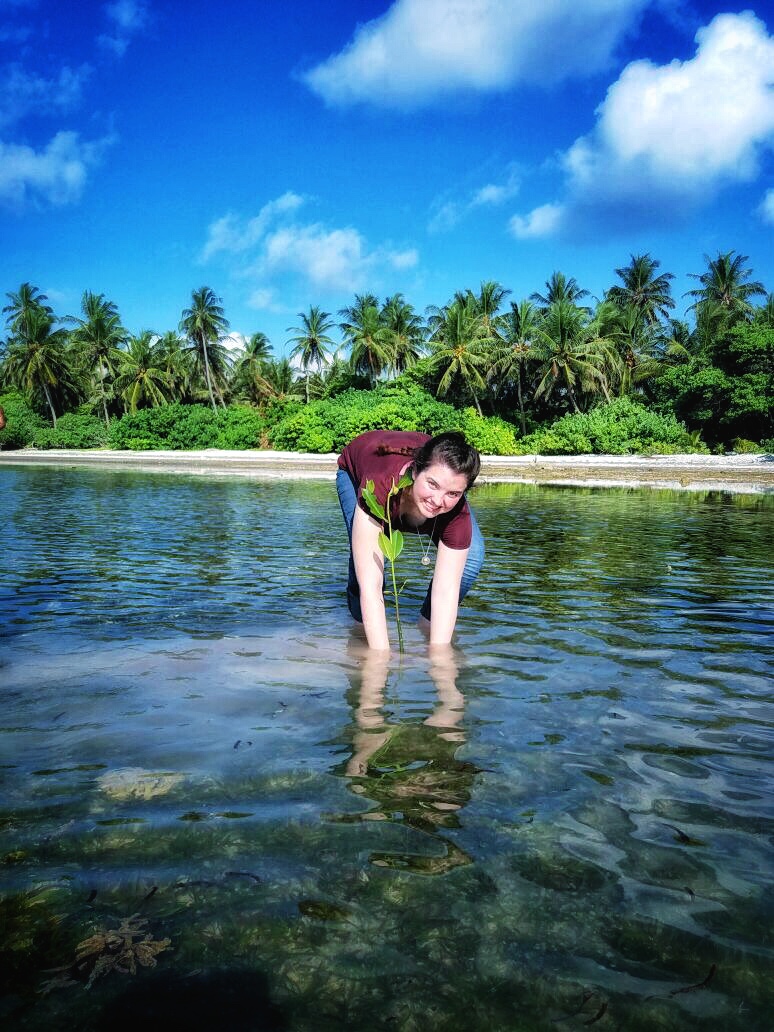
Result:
[621,428]
[303,431]
[73,430]
[489,434]
[329,425]
[742,446]
[22,423]
[188,427]
[240,427]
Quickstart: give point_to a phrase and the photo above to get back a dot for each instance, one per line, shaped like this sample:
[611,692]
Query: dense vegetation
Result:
[550,374]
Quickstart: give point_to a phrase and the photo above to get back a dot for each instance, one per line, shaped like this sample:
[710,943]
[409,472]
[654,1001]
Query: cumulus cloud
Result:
[331,259]
[233,236]
[23,93]
[421,50]
[264,299]
[668,137]
[55,175]
[543,221]
[126,18]
[275,244]
[767,207]
[448,213]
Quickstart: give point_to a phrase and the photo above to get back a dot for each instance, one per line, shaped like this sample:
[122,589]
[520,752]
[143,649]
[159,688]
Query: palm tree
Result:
[676,343]
[98,336]
[765,314]
[457,347]
[37,360]
[205,325]
[280,379]
[23,303]
[559,288]
[369,340]
[634,343]
[489,300]
[141,376]
[725,287]
[173,359]
[516,333]
[644,289]
[569,353]
[404,333]
[352,315]
[311,340]
[249,369]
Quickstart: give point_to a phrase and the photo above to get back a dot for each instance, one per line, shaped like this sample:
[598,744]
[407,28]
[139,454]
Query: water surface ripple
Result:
[567,820]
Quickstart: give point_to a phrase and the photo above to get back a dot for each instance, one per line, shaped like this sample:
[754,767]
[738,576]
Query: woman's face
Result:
[437,489]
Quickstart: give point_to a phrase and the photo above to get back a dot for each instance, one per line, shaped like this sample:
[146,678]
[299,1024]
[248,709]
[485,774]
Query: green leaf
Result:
[397,544]
[405,481]
[370,499]
[386,546]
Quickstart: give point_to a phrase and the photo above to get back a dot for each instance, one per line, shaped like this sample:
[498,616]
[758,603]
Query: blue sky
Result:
[291,153]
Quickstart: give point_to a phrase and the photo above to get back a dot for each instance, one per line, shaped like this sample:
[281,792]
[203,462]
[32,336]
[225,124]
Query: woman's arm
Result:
[369,568]
[444,599]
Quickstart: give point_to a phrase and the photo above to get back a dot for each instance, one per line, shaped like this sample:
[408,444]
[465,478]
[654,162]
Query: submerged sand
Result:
[741,473]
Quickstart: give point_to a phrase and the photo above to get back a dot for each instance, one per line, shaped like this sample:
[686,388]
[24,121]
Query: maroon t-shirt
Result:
[360,460]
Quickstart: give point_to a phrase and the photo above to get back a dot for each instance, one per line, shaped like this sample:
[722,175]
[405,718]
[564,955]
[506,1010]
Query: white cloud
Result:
[127,18]
[55,175]
[422,49]
[667,137]
[234,342]
[330,259]
[232,236]
[403,259]
[767,207]
[264,299]
[494,193]
[699,118]
[275,245]
[448,213]
[23,93]
[540,222]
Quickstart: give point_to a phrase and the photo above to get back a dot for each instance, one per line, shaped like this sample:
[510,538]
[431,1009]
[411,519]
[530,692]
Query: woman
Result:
[442,468]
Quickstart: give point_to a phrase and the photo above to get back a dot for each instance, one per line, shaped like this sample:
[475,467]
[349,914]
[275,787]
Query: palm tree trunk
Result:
[521,401]
[50,402]
[207,374]
[478,406]
[307,386]
[571,395]
[104,403]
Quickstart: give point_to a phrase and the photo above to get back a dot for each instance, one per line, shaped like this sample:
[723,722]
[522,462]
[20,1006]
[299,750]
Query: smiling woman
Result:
[441,469]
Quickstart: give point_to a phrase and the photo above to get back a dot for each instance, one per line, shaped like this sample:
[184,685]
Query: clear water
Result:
[566,823]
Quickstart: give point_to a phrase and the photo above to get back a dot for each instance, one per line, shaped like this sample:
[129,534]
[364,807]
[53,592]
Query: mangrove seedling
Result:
[391,543]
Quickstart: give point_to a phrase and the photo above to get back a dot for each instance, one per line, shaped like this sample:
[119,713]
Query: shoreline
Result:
[737,473]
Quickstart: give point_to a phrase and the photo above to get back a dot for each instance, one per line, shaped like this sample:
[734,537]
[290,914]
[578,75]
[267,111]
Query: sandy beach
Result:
[739,473]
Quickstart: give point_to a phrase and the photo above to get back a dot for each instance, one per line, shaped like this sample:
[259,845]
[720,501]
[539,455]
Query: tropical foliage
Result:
[559,371]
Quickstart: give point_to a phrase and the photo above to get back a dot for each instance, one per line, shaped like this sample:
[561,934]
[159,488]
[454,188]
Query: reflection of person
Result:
[442,469]
[408,768]
[372,732]
[2,418]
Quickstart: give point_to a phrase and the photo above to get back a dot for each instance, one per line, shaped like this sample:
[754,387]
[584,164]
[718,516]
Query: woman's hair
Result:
[449,449]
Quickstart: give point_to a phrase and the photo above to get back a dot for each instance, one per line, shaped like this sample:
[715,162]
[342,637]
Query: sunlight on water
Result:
[567,821]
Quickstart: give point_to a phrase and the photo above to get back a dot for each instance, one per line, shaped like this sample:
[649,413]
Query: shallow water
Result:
[569,819]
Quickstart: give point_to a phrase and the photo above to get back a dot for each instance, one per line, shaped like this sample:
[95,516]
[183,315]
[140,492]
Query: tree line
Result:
[528,361]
